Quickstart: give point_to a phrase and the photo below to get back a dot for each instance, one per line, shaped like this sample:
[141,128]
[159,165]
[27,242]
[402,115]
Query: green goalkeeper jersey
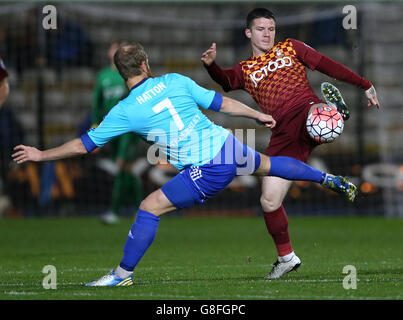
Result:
[110,88]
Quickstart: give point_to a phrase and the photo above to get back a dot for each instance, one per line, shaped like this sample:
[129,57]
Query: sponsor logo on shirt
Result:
[279,53]
[272,66]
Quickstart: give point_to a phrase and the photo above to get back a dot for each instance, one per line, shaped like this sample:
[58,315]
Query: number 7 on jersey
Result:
[166,103]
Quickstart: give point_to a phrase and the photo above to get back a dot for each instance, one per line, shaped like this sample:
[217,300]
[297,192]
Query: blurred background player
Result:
[109,89]
[4,91]
[165,104]
[275,76]
[4,88]
[11,133]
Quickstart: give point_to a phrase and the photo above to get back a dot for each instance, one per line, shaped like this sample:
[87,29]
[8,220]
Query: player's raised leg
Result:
[334,99]
[292,169]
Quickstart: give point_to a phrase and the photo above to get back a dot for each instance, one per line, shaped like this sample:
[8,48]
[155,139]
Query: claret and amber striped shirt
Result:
[277,80]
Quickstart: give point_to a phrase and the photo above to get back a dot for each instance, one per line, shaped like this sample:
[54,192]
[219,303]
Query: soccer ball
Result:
[324,124]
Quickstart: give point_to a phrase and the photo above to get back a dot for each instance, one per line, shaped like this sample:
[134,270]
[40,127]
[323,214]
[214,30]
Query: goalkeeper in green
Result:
[109,89]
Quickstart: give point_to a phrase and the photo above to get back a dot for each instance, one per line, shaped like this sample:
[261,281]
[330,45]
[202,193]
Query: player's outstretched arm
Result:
[229,79]
[236,108]
[69,149]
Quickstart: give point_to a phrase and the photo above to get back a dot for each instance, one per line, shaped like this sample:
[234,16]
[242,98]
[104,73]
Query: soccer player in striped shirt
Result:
[275,76]
[164,111]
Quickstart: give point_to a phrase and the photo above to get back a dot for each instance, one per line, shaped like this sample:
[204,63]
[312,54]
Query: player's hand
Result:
[266,120]
[372,98]
[25,153]
[209,55]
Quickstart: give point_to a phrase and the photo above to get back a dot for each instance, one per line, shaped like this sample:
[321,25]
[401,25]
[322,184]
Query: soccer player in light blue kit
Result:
[164,111]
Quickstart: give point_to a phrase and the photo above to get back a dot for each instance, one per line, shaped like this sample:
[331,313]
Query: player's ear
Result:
[248,33]
[144,66]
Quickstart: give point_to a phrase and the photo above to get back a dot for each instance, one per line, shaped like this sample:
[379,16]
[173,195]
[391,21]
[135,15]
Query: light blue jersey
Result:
[164,111]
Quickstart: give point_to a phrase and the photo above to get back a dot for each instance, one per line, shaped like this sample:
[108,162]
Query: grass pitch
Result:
[203,259]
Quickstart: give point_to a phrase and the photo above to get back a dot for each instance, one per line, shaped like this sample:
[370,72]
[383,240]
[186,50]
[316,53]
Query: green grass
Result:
[203,258]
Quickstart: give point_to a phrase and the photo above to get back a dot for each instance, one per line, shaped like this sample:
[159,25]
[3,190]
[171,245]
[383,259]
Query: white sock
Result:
[287,257]
[122,273]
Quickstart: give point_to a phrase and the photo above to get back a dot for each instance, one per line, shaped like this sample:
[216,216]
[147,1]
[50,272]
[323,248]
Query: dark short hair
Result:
[258,13]
[128,59]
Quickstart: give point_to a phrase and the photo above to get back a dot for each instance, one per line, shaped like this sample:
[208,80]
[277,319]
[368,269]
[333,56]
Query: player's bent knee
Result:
[156,203]
[144,205]
[269,203]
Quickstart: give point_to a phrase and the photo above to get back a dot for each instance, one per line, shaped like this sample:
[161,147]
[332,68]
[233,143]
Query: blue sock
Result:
[292,169]
[141,235]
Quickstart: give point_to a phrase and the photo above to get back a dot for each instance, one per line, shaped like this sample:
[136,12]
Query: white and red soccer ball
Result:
[324,124]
